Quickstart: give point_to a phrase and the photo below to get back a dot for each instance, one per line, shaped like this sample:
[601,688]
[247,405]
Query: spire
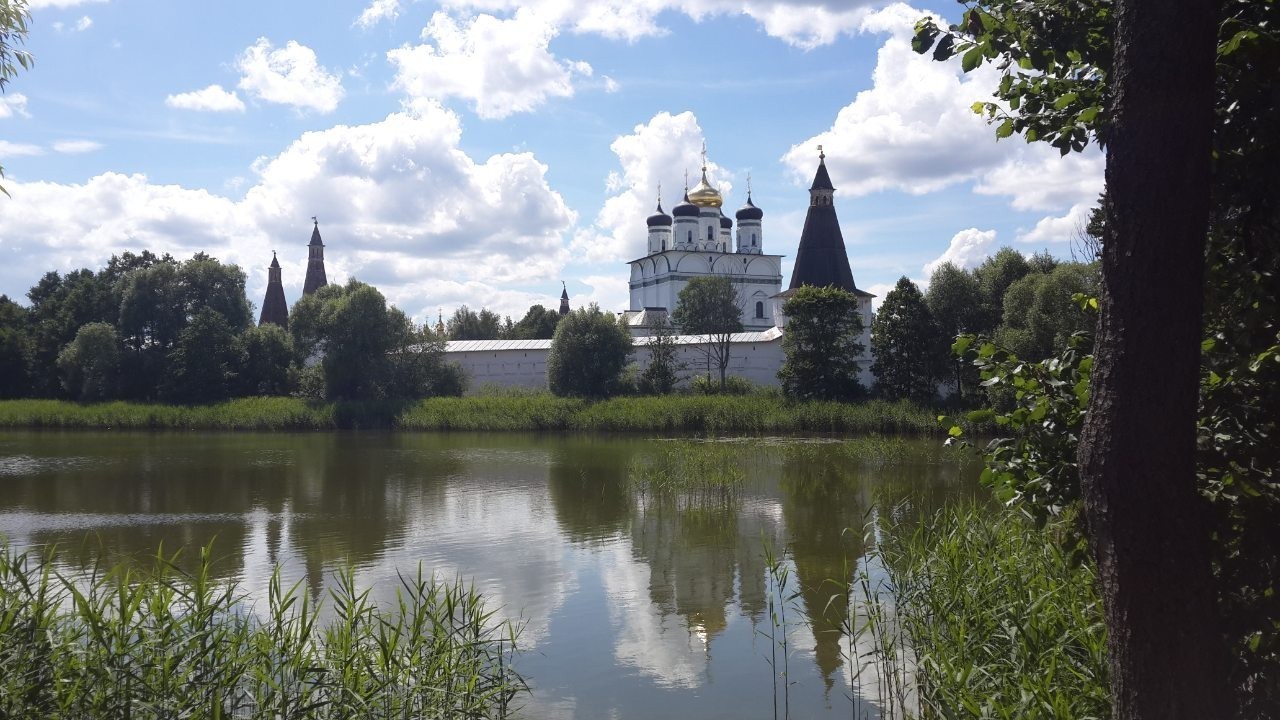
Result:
[440,322]
[564,298]
[315,262]
[821,259]
[274,309]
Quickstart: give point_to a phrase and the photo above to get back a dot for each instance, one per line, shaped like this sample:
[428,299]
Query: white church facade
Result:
[698,240]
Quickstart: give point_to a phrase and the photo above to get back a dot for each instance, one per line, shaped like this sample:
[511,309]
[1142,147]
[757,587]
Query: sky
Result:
[481,152]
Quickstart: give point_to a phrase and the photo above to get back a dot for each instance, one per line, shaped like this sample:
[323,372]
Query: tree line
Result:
[150,327]
[1023,304]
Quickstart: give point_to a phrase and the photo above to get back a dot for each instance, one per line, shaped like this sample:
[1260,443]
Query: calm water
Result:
[635,608]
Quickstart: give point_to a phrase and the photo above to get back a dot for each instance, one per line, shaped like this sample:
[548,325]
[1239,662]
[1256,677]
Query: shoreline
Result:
[757,413]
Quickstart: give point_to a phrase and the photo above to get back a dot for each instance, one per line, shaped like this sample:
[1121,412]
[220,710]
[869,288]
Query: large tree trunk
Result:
[1137,452]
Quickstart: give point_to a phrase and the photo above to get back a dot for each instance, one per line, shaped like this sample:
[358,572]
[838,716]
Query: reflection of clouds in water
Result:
[656,644]
[500,539]
[22,465]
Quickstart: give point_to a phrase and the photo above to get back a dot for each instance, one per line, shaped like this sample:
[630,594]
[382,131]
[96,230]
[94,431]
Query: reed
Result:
[698,474]
[982,615]
[761,412]
[168,643]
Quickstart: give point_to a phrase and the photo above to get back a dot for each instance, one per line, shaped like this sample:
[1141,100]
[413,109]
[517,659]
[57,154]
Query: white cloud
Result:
[659,151]
[76,147]
[210,99]
[84,23]
[11,149]
[378,11]
[42,4]
[15,104]
[400,206]
[611,85]
[502,66]
[288,76]
[1045,181]
[1059,229]
[803,23]
[968,248]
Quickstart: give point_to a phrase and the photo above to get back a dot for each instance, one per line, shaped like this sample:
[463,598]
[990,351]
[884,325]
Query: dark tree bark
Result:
[1137,453]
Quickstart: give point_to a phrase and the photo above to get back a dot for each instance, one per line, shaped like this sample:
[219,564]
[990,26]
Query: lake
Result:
[636,604]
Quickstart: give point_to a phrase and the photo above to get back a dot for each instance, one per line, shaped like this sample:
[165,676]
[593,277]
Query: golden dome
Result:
[703,195]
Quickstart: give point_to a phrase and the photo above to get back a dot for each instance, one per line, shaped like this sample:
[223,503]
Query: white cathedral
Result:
[697,240]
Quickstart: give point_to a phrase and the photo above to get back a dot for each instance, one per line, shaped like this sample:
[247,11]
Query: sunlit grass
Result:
[165,643]
[762,412]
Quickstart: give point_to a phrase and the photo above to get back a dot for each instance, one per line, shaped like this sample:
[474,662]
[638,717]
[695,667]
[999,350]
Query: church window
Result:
[690,237]
[759,309]
[710,234]
[753,239]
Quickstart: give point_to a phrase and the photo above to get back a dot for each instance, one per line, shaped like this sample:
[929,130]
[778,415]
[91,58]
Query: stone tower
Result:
[821,259]
[564,299]
[274,309]
[315,262]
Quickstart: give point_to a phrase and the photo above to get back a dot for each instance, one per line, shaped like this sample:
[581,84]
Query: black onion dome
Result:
[749,212]
[659,218]
[725,222]
[686,208]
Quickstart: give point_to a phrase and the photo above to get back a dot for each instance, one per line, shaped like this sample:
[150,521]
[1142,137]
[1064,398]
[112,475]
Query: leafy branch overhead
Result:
[1054,60]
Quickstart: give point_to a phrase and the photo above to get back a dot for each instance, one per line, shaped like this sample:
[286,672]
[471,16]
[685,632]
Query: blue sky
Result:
[480,151]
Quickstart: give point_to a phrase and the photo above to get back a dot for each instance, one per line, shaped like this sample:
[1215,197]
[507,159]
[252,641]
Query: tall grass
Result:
[762,412]
[981,615]
[173,644]
[700,474]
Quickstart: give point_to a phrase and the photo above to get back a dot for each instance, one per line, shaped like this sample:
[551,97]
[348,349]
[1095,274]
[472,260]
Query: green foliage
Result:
[1001,621]
[538,323]
[1039,315]
[359,332]
[168,643]
[588,353]
[910,357]
[995,275]
[16,350]
[663,371]
[709,306]
[203,365]
[90,364]
[14,18]
[1031,461]
[1054,58]
[821,345]
[265,357]
[694,472]
[732,385]
[467,324]
[761,412]
[955,300]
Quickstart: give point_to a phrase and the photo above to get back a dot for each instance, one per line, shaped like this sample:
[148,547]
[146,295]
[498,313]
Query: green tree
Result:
[709,306]
[1039,315]
[538,323]
[60,306]
[90,363]
[16,350]
[588,354]
[662,373]
[467,324]
[822,345]
[266,356]
[1168,161]
[202,365]
[910,356]
[360,331]
[14,18]
[955,301]
[994,277]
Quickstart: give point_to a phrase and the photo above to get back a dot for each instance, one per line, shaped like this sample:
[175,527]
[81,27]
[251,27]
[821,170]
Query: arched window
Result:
[759,309]
[690,237]
[753,239]
[710,234]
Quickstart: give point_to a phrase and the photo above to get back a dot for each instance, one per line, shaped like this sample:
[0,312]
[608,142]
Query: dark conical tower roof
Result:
[564,299]
[316,278]
[274,309]
[821,260]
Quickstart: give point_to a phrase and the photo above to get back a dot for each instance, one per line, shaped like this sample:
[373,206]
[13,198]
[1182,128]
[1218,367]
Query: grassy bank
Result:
[165,644]
[756,413]
[994,619]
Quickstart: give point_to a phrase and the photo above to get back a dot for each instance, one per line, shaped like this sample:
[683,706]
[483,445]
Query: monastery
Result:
[695,240]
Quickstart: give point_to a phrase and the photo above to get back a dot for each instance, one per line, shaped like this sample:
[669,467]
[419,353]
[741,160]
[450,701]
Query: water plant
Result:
[165,643]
